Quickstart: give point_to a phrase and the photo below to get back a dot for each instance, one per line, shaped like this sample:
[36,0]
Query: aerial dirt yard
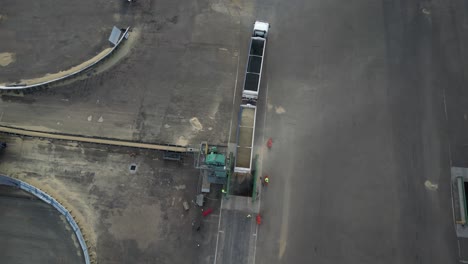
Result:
[174,85]
[47,37]
[60,74]
[171,82]
[125,216]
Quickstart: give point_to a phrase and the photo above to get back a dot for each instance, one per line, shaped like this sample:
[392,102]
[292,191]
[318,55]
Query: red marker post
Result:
[259,219]
[270,143]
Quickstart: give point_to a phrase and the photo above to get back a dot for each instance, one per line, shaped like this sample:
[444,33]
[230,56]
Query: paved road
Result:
[360,160]
[34,232]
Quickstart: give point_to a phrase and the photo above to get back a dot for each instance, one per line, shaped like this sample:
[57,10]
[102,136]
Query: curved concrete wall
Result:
[17,87]
[5,180]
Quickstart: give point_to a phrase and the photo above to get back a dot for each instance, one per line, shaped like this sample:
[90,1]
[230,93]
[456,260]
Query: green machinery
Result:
[215,166]
[217,163]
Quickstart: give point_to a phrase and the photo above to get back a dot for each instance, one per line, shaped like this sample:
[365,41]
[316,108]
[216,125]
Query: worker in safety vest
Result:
[267,180]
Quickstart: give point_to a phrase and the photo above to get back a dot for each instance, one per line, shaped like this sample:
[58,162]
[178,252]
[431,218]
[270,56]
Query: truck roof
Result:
[261,26]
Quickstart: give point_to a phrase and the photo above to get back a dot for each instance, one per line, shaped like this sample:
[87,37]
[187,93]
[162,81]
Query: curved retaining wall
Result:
[17,87]
[5,180]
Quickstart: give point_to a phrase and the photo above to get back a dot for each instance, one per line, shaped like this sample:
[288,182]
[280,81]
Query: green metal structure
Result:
[213,164]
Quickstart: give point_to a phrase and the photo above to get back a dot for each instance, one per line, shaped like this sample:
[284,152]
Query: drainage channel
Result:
[95,140]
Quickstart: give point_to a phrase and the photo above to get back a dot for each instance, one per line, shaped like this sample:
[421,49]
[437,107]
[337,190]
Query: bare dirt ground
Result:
[174,84]
[47,37]
[126,217]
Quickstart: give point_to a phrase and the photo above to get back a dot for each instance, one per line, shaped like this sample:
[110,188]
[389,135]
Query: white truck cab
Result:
[261,29]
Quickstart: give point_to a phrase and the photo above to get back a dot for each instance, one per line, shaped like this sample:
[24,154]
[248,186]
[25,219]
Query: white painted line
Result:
[263,140]
[450,153]
[463,261]
[229,141]
[234,97]
[458,244]
[450,160]
[219,226]
[445,104]
[255,243]
[266,111]
[446,119]
[237,75]
[453,214]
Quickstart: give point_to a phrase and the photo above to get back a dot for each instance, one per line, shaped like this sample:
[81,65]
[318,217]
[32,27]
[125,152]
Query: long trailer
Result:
[242,182]
[245,138]
[253,74]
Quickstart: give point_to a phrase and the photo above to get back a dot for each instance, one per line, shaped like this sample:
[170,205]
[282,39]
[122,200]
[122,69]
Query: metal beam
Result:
[103,141]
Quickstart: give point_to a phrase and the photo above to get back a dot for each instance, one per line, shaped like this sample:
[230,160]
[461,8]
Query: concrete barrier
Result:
[19,87]
[95,140]
[5,180]
[462,200]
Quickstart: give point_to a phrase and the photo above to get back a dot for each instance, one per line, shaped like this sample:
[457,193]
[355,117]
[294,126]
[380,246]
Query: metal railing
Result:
[5,180]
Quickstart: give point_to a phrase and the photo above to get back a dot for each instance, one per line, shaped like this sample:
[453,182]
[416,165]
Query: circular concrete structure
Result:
[34,232]
[47,37]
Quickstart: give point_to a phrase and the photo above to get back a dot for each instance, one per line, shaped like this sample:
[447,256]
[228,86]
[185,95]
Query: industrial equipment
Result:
[214,165]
